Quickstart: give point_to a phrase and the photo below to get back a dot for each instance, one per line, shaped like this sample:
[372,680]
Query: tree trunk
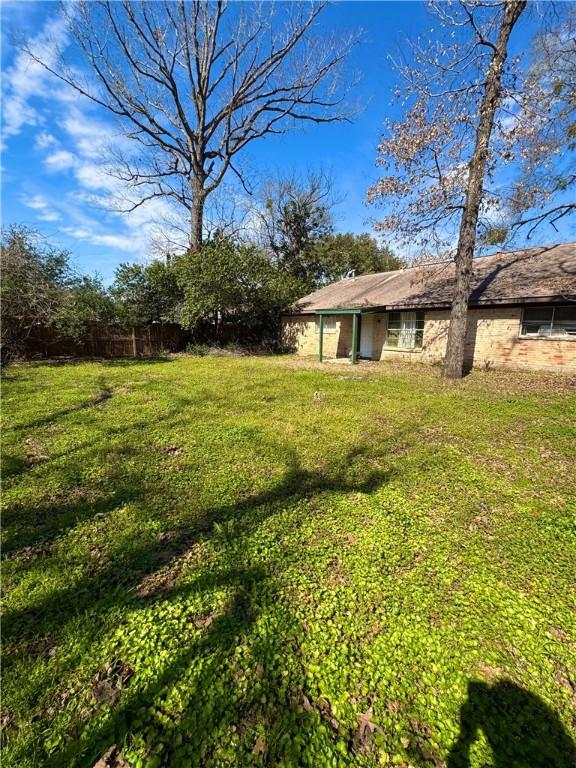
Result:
[197,220]
[454,361]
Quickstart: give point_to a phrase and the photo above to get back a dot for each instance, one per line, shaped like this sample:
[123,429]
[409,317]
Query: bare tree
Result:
[439,157]
[195,83]
[309,195]
[545,122]
[454,362]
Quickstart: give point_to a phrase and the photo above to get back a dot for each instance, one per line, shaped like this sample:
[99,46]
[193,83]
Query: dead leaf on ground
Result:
[366,728]
[306,703]
[569,685]
[559,634]
[478,520]
[110,681]
[105,693]
[35,453]
[6,720]
[203,622]
[488,672]
[121,671]
[26,553]
[259,747]
[171,450]
[112,758]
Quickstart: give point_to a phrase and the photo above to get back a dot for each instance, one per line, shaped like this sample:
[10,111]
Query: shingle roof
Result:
[530,275]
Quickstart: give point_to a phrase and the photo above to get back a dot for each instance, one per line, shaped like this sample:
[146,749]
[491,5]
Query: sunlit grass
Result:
[220,562]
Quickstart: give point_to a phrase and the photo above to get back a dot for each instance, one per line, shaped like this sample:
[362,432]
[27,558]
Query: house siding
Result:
[492,340]
[299,332]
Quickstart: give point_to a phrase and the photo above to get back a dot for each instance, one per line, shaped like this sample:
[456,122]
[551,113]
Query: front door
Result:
[366,334]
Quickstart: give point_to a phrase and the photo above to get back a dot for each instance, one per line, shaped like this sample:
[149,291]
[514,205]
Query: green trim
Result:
[355,338]
[321,340]
[337,312]
[350,311]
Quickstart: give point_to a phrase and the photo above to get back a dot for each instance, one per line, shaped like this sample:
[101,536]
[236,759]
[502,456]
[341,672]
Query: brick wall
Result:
[300,332]
[492,341]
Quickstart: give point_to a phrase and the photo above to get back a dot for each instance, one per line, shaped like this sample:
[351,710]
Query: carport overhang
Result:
[355,312]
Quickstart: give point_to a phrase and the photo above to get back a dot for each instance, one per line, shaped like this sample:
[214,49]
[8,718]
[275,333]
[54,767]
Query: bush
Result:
[197,350]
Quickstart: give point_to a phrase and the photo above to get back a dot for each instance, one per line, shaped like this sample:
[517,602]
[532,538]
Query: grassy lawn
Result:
[255,561]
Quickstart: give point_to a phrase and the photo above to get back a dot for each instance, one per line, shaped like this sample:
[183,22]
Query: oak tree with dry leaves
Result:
[439,159]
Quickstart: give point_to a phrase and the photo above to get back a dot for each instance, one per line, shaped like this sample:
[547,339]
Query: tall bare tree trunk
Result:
[454,361]
[197,219]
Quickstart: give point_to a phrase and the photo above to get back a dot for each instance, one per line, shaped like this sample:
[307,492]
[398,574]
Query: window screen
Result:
[405,329]
[329,324]
[549,321]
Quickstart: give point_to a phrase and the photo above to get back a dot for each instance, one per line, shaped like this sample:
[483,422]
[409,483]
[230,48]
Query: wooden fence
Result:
[109,341]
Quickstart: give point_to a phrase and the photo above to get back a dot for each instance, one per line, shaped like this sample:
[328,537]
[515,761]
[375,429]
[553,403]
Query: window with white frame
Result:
[405,330]
[329,324]
[549,321]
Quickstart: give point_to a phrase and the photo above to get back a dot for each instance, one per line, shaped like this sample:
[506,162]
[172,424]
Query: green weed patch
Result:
[258,561]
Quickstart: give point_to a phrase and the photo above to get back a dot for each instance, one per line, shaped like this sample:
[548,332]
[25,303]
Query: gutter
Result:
[505,302]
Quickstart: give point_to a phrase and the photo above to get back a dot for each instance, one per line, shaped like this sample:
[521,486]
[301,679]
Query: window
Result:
[405,330]
[329,324]
[549,321]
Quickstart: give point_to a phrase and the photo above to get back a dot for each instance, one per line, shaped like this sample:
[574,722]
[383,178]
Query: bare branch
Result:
[195,83]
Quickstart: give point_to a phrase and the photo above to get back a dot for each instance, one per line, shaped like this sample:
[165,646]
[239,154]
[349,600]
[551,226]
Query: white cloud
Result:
[73,135]
[122,242]
[60,160]
[44,212]
[119,241]
[45,140]
[26,79]
[37,202]
[49,215]
[92,176]
[79,233]
[91,137]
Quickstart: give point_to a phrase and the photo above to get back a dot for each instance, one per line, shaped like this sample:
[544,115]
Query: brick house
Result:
[522,313]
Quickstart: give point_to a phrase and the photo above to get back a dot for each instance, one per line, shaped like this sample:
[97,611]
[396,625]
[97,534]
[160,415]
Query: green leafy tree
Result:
[40,289]
[295,218]
[338,254]
[85,302]
[35,277]
[228,282]
[146,293]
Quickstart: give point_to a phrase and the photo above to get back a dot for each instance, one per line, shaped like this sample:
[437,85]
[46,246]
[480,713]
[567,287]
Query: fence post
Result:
[134,343]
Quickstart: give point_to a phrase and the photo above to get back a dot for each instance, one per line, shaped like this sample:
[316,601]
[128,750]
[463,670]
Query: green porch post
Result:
[354,338]
[321,340]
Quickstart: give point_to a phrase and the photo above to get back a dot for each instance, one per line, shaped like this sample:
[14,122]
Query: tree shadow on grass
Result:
[126,570]
[209,684]
[192,737]
[103,394]
[117,362]
[521,729]
[34,527]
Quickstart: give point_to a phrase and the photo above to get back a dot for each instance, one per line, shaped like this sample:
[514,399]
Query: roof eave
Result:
[432,305]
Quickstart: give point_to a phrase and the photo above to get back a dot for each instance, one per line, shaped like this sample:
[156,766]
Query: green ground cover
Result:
[255,561]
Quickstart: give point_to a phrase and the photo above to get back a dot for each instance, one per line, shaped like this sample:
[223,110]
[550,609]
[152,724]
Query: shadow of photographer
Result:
[522,731]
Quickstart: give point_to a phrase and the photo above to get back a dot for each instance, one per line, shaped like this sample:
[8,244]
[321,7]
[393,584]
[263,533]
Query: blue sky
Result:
[54,141]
